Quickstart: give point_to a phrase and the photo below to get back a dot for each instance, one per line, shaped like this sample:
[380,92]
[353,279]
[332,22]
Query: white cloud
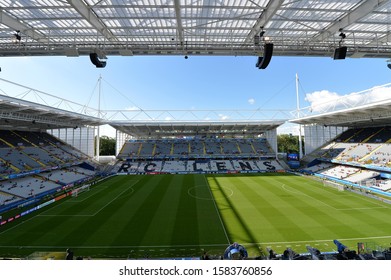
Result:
[251,101]
[223,117]
[319,100]
[132,108]
[324,100]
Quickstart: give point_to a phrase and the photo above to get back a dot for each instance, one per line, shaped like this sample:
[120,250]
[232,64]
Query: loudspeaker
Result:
[340,53]
[95,60]
[264,61]
[260,58]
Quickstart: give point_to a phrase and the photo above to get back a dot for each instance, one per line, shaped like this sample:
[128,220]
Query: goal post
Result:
[84,188]
[335,185]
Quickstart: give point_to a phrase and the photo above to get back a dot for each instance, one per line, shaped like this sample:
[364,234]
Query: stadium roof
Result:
[368,108]
[364,116]
[170,129]
[17,114]
[194,27]
[38,110]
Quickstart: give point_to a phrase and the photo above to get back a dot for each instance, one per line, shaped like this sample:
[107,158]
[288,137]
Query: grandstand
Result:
[35,164]
[197,148]
[352,144]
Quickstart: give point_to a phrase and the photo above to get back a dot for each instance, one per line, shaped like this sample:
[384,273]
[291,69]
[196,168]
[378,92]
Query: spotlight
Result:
[256,40]
[17,38]
[340,53]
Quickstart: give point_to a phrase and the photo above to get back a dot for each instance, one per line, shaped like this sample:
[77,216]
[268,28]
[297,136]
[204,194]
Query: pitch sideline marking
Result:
[199,245]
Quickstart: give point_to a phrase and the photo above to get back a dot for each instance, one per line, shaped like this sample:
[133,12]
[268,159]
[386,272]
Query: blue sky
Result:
[172,82]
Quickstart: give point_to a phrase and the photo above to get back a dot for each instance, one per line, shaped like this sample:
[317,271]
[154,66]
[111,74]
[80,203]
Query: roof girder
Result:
[361,11]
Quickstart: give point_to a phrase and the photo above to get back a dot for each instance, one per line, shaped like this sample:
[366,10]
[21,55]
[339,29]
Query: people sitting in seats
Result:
[272,255]
[343,251]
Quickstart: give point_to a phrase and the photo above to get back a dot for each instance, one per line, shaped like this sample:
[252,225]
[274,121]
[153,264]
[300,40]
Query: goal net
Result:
[76,192]
[334,185]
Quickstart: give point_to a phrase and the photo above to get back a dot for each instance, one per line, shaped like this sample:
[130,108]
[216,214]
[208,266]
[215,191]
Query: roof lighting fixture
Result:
[340,52]
[17,37]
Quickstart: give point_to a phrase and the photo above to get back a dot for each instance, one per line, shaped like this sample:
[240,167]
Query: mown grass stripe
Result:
[180,214]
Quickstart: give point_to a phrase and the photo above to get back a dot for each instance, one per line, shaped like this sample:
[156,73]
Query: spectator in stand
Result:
[272,255]
[69,255]
[340,247]
[205,256]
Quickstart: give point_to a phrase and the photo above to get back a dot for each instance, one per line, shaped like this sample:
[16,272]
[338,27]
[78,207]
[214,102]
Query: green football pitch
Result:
[167,216]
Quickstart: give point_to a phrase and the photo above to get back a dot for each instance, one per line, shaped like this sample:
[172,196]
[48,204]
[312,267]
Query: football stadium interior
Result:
[194,189]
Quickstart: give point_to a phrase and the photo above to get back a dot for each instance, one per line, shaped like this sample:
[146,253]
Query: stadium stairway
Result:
[369,154]
[240,151]
[7,143]
[36,146]
[57,158]
[355,134]
[154,150]
[24,139]
[10,165]
[36,160]
[373,135]
[122,149]
[253,148]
